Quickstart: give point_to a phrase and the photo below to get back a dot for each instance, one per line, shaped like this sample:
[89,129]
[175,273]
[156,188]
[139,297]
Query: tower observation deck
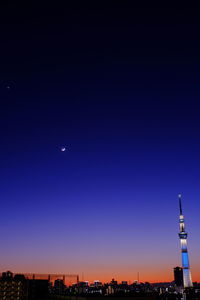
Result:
[187,279]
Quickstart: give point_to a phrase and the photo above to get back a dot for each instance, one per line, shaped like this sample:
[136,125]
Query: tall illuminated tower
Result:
[187,279]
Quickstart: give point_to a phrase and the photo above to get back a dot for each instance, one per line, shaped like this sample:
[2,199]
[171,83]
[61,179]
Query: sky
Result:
[118,86]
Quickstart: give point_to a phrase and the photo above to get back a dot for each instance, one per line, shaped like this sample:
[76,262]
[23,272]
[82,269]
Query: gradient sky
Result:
[119,87]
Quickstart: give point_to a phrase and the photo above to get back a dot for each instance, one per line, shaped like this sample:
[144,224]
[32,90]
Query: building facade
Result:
[13,287]
[178,276]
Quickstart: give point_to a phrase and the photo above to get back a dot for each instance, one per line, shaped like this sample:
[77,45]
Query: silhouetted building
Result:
[13,288]
[97,283]
[178,276]
[82,287]
[7,275]
[59,287]
[38,289]
[113,282]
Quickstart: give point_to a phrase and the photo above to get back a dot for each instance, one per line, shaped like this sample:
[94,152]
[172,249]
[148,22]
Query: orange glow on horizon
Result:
[130,278]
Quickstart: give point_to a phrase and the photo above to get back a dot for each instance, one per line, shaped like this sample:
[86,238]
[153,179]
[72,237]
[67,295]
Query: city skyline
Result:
[83,276]
[100,131]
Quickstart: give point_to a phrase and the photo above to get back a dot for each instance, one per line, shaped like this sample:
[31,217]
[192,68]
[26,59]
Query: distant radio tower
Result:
[187,279]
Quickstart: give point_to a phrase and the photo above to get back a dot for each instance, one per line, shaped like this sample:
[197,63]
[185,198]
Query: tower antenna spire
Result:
[180,204]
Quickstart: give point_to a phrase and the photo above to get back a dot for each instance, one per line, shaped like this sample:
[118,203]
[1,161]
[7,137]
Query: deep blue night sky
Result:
[119,87]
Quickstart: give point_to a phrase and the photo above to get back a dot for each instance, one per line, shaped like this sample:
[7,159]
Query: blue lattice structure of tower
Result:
[187,279]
